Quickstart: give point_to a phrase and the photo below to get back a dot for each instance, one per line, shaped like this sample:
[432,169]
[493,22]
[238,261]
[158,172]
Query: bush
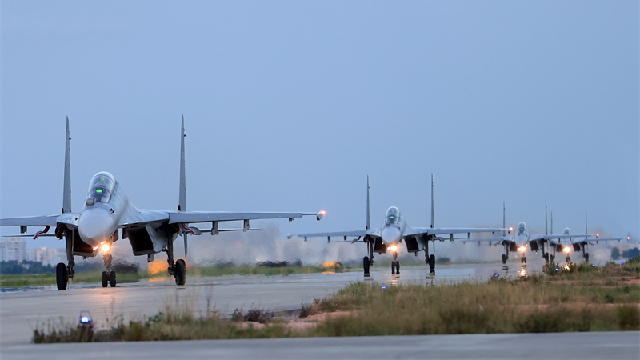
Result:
[628,318]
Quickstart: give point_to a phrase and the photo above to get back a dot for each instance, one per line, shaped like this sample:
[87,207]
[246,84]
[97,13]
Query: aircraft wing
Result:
[595,240]
[494,239]
[210,216]
[443,231]
[139,217]
[551,237]
[142,217]
[45,220]
[557,236]
[350,233]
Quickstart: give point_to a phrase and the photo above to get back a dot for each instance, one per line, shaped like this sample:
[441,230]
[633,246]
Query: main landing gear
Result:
[65,273]
[177,269]
[61,276]
[429,259]
[368,261]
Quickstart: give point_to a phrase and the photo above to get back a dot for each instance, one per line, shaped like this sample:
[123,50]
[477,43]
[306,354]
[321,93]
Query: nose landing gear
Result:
[108,276]
[395,264]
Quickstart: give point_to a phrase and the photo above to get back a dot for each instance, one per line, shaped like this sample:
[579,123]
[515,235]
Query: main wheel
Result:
[112,278]
[366,265]
[181,272]
[397,267]
[393,267]
[504,258]
[104,279]
[432,264]
[61,276]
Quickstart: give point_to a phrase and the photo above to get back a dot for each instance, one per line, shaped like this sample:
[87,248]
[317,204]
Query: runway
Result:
[562,346]
[22,311]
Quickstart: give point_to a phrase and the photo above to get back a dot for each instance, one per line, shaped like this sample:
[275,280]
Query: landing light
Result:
[392,248]
[105,247]
[566,249]
[522,248]
[597,235]
[510,228]
[96,247]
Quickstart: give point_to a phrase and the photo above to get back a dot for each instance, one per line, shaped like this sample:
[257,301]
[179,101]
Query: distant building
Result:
[46,256]
[13,249]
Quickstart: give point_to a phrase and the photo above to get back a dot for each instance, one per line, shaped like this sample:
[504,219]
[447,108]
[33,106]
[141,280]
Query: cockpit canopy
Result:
[393,215]
[567,231]
[522,227]
[101,187]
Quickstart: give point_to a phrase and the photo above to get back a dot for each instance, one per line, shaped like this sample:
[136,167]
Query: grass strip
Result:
[567,301]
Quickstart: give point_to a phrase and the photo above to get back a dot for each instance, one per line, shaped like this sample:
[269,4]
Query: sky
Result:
[289,105]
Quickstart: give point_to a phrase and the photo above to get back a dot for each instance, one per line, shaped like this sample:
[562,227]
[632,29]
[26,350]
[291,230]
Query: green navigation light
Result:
[99,191]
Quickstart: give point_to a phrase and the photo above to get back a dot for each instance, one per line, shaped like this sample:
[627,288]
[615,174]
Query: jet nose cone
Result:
[95,226]
[391,234]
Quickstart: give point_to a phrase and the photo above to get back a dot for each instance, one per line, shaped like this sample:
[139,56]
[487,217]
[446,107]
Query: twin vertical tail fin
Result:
[368,206]
[182,194]
[504,218]
[432,204]
[66,187]
[546,218]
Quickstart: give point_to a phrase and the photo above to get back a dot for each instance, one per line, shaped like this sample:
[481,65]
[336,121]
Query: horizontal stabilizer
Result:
[27,235]
[45,220]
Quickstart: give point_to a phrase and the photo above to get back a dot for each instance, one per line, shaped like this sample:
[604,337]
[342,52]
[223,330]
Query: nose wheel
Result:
[109,279]
[395,264]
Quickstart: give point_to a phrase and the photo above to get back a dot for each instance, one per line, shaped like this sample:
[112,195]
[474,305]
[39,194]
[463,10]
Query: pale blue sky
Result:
[290,104]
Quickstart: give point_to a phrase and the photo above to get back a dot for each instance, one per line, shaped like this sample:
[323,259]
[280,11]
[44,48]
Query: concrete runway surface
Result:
[561,346]
[22,311]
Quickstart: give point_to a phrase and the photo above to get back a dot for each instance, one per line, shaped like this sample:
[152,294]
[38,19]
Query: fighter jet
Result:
[393,232]
[537,242]
[107,209]
[576,243]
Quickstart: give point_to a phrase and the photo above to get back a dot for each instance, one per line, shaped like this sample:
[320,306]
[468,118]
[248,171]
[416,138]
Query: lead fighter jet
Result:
[107,209]
[394,231]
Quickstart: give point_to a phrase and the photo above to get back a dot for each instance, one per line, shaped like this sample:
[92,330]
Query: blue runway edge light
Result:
[85,318]
[384,287]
